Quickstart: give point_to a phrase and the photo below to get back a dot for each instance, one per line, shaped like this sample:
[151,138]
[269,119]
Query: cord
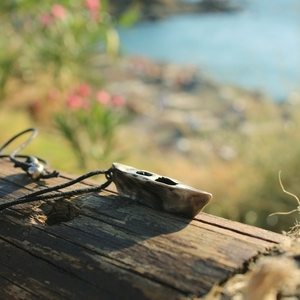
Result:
[35,167]
[40,195]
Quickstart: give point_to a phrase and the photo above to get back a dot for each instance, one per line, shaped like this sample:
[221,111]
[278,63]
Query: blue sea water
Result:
[257,48]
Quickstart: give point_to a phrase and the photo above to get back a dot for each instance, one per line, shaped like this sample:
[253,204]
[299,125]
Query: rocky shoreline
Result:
[159,9]
[176,105]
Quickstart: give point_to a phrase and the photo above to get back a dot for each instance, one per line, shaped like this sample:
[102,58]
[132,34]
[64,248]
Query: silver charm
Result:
[159,192]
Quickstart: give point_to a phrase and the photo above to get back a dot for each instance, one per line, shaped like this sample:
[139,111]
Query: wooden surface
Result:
[115,248]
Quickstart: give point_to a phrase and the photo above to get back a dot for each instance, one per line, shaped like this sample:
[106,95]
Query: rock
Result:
[158,9]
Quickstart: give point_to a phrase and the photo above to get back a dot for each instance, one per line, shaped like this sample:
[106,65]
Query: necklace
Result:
[150,189]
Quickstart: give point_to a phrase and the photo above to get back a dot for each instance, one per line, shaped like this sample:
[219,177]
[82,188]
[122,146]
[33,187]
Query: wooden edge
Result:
[242,228]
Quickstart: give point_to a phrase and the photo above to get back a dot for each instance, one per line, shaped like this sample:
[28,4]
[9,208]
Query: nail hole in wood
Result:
[58,211]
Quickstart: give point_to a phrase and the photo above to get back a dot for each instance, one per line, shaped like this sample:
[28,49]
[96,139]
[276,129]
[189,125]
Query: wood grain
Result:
[115,248]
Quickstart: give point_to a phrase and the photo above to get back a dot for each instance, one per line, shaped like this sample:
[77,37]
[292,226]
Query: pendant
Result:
[159,192]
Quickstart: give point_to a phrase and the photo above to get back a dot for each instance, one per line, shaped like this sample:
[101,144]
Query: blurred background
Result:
[207,92]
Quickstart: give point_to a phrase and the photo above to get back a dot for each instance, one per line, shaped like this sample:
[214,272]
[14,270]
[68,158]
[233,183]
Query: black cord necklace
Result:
[150,189]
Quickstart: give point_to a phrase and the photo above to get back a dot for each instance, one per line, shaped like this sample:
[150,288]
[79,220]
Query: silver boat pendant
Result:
[159,192]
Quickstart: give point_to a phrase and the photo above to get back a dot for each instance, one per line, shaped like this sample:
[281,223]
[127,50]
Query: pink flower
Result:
[92,5]
[75,102]
[118,100]
[103,97]
[58,11]
[83,90]
[45,19]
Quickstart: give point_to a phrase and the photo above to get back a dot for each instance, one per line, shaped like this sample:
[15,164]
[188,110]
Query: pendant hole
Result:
[144,173]
[166,180]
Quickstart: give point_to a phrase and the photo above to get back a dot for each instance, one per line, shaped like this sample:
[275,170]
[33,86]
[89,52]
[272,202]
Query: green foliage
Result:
[61,40]
[89,124]
[54,46]
[130,16]
[247,188]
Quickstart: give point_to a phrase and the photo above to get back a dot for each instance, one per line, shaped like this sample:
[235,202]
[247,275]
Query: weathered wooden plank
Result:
[243,229]
[140,258]
[117,248]
[19,270]
[9,290]
[72,270]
